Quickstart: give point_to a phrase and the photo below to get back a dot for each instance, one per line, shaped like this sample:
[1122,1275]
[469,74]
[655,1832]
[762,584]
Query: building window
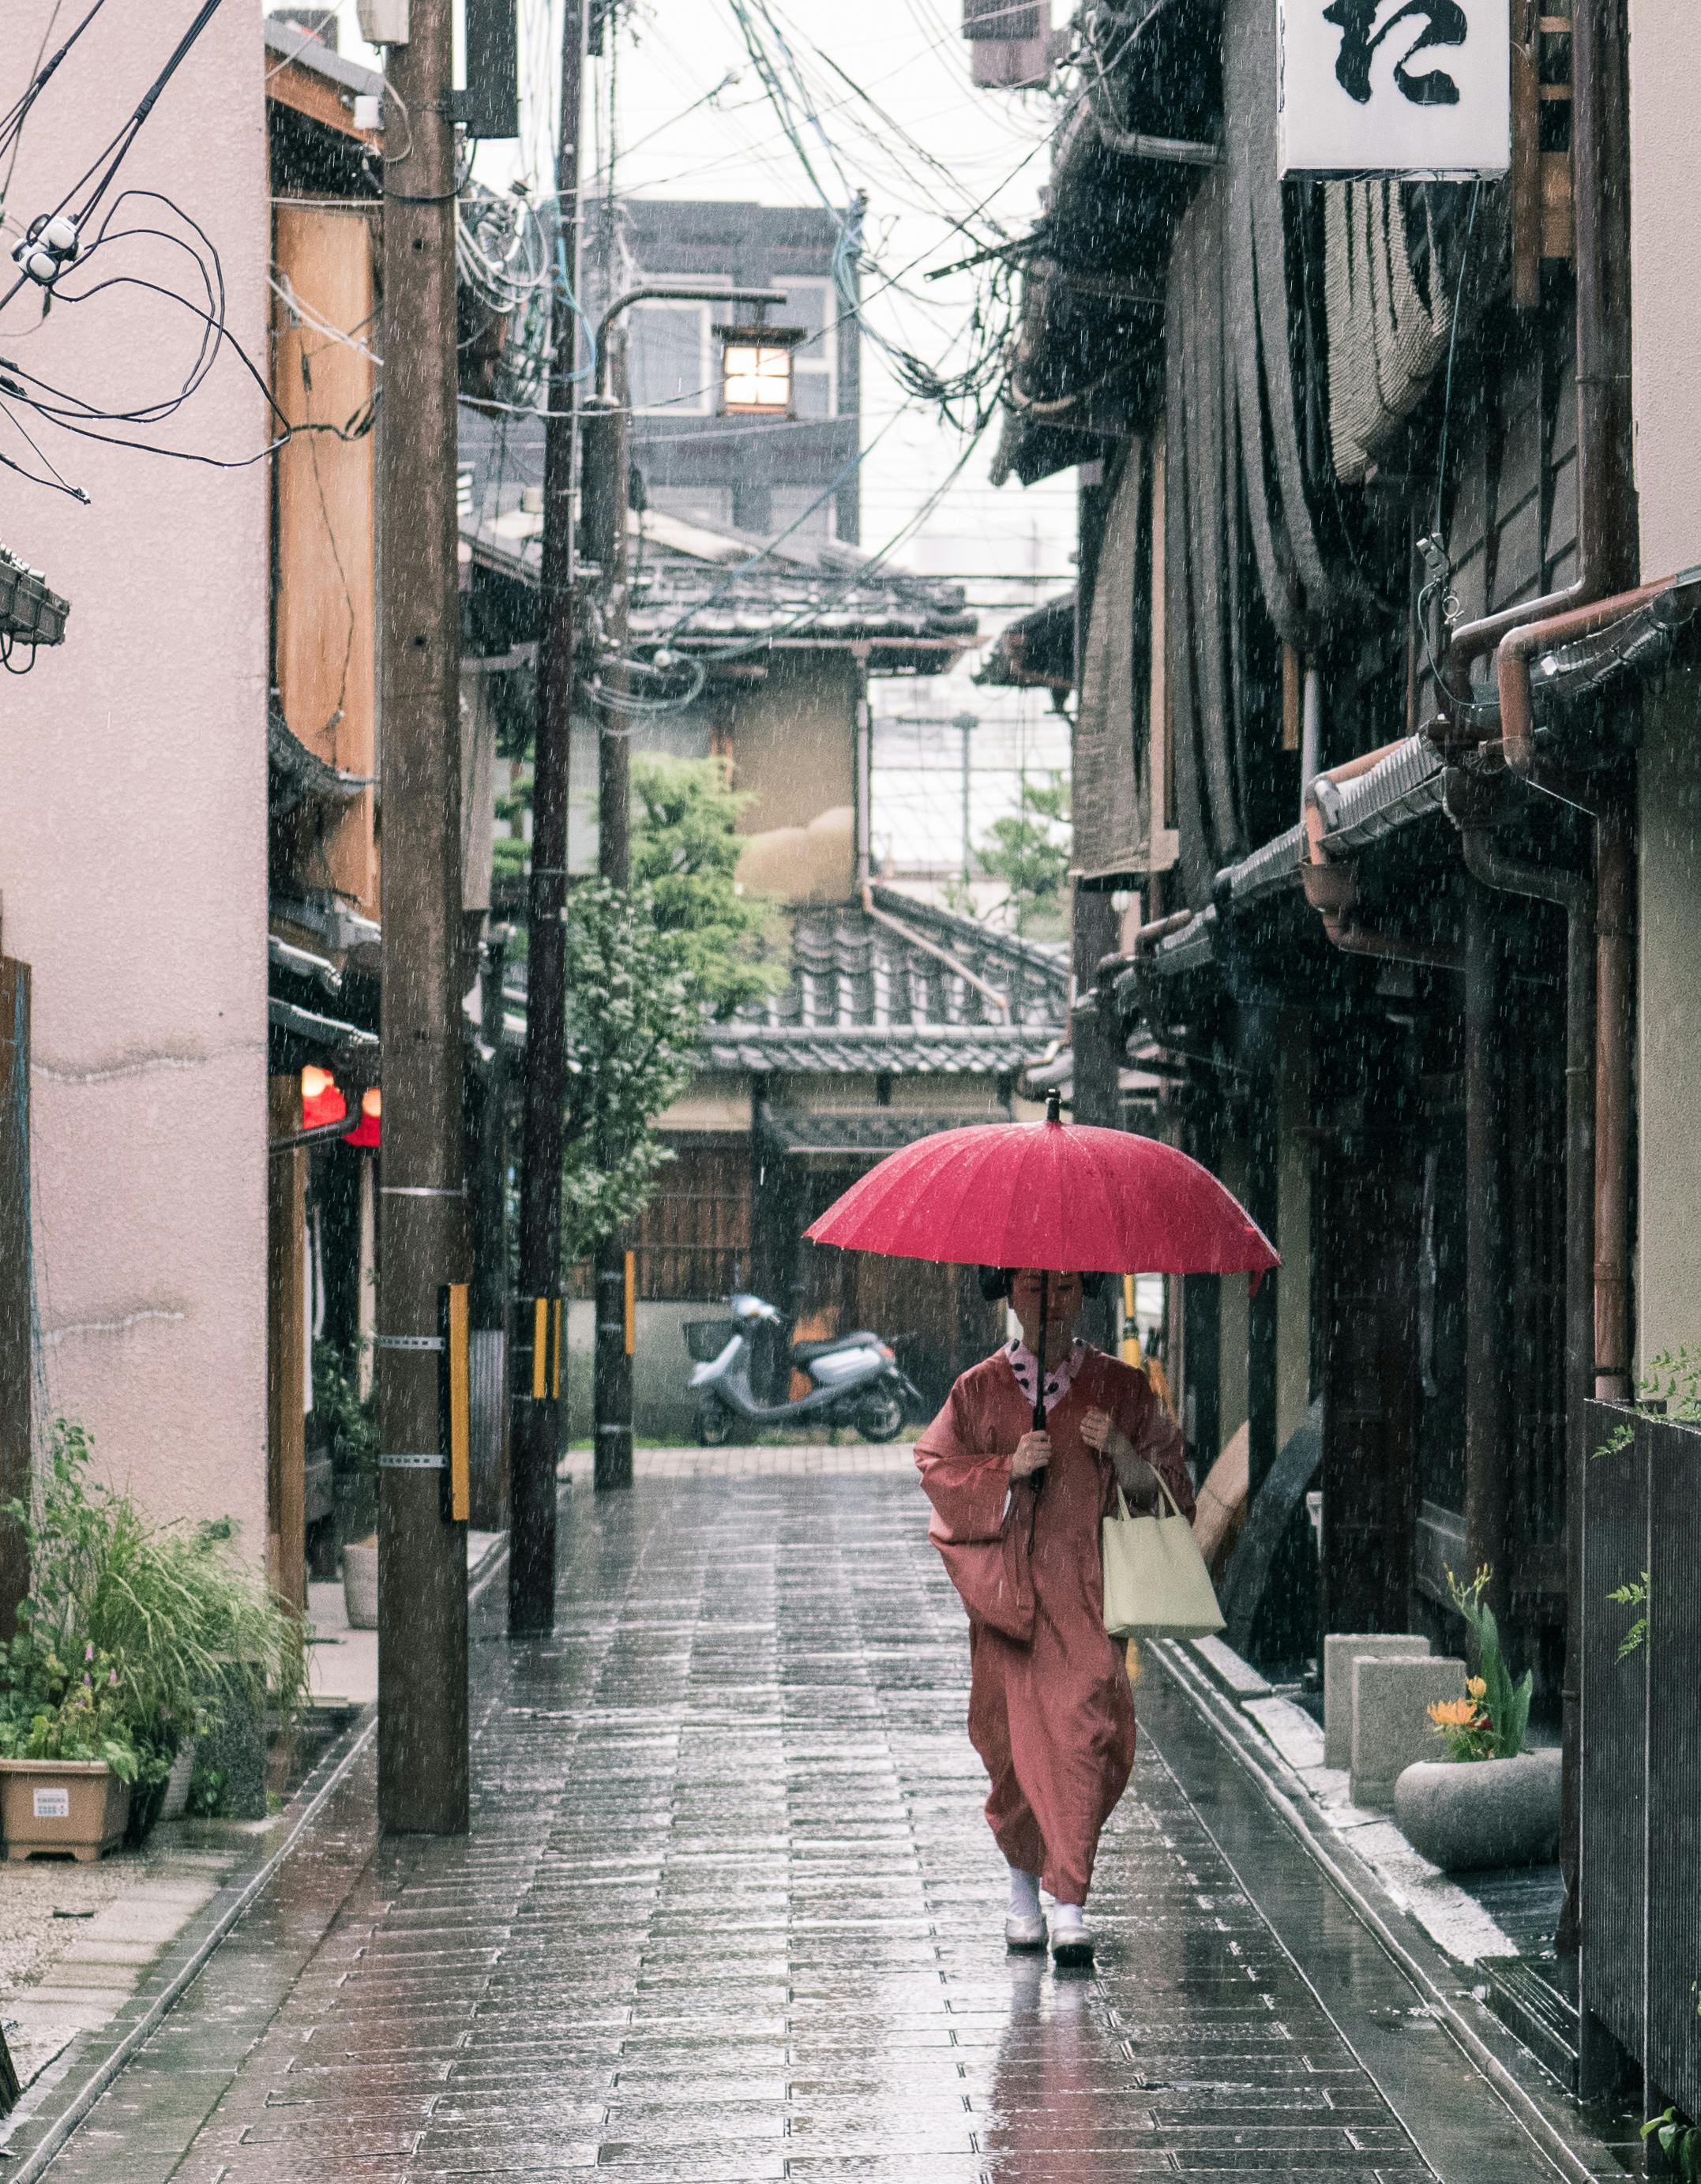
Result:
[670,359]
[815,306]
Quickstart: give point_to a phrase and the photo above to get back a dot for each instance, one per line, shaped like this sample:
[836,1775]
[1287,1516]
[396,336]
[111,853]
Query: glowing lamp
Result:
[367,1130]
[321,1103]
[755,370]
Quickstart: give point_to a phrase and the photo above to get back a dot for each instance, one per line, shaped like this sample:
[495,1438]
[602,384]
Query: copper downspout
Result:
[1612,1380]
[1332,889]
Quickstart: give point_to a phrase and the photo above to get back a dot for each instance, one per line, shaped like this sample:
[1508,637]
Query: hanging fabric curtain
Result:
[1386,339]
[1109,771]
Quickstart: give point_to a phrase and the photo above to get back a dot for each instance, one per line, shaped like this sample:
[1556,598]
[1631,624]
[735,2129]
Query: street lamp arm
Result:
[664,292]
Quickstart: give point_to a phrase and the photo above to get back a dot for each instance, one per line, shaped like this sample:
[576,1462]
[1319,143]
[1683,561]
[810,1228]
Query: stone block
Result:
[1340,1651]
[1391,1726]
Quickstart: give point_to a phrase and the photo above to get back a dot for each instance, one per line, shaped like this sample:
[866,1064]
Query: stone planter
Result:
[1461,1814]
[360,1585]
[70,1806]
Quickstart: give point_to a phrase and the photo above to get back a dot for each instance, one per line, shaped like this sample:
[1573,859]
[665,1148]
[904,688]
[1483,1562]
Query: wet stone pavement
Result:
[729,1912]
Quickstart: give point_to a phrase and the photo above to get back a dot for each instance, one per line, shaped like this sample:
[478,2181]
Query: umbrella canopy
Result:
[1061,1196]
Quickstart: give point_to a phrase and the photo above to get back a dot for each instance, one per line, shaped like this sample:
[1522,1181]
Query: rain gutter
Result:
[1352,805]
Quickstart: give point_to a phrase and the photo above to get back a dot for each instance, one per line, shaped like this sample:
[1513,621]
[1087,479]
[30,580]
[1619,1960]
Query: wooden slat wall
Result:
[325,493]
[693,1240]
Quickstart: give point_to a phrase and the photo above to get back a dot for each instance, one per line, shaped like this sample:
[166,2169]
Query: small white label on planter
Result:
[52,1804]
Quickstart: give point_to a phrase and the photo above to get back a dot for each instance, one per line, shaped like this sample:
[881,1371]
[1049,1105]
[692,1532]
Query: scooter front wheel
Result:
[880,1415]
[714,1423]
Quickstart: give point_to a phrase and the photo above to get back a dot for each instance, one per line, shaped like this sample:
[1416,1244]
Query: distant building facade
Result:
[755,474]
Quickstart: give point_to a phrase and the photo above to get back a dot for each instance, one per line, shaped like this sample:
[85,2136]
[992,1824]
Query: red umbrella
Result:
[1049,1195]
[1054,1195]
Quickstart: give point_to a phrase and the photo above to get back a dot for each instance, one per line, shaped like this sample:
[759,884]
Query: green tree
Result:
[632,1017]
[685,850]
[1028,851]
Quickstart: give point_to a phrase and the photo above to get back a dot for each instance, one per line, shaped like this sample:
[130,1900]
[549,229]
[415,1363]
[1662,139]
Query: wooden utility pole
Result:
[537,1440]
[607,459]
[422,1701]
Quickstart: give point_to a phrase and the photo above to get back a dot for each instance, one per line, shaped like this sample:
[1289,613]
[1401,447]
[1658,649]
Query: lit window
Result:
[755,370]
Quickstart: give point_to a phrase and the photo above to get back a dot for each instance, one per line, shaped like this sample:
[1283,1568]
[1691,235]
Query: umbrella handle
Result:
[1037,1479]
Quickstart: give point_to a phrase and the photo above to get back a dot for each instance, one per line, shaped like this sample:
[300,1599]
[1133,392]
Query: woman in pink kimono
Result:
[1016,1516]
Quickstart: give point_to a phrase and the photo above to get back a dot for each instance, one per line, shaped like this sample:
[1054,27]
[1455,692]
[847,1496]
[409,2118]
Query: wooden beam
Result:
[1525,178]
[304,93]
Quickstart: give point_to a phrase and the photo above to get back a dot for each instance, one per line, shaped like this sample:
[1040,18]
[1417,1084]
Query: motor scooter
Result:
[854,1379]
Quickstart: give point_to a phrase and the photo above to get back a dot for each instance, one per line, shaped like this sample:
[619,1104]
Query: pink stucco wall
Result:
[133,790]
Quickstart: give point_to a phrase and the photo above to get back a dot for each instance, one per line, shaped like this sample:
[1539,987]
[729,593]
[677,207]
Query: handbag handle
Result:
[1163,1488]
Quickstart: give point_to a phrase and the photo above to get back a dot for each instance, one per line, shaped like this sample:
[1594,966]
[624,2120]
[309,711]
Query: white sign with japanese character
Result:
[1395,86]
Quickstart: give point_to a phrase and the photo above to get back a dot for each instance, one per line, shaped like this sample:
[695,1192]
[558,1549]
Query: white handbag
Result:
[1156,1582]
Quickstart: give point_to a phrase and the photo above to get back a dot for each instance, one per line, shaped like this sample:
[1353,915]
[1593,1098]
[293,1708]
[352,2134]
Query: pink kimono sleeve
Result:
[968,1486]
[1158,1439]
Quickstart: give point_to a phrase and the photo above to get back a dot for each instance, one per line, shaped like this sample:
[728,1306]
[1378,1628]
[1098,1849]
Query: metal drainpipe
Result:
[1573,892]
[1310,733]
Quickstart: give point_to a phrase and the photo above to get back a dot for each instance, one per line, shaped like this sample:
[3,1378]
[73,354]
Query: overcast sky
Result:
[691,119]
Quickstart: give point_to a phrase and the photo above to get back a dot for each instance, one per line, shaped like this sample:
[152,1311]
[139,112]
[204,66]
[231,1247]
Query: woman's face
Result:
[1063,1308]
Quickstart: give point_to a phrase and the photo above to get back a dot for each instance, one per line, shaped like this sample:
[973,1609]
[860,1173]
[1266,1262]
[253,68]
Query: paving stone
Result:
[729,1912]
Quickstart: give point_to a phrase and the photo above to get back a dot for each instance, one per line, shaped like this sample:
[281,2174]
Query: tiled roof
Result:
[904,988]
[691,584]
[862,1129]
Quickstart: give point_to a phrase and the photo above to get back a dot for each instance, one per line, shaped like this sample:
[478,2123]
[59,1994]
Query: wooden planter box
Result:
[77,1806]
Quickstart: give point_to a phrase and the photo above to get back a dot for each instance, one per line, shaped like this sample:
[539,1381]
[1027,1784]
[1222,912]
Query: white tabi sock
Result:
[1066,1914]
[1024,1894]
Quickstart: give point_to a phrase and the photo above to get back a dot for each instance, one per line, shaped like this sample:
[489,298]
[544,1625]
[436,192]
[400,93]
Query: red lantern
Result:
[366,1131]
[321,1102]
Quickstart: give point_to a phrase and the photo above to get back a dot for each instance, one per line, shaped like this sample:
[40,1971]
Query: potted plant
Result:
[162,1623]
[67,1761]
[349,1418]
[1489,1803]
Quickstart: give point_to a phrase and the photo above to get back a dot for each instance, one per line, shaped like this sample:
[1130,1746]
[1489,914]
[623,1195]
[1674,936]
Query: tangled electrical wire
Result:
[202,299]
[968,384]
[93,242]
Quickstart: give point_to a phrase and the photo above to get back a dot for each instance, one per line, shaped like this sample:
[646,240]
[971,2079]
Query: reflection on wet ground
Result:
[729,1912]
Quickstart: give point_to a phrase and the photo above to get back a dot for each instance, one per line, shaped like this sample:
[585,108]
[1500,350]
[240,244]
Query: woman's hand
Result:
[1032,1453]
[1100,1431]
[1134,1475]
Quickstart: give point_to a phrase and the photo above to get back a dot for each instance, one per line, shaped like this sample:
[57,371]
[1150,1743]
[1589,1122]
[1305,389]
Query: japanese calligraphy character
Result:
[1445,25]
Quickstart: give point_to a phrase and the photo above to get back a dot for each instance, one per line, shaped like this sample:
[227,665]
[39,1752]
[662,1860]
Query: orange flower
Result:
[1477,1688]
[1453,1713]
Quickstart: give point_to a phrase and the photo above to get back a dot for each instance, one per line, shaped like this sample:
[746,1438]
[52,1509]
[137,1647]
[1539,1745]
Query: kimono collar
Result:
[1058,1381]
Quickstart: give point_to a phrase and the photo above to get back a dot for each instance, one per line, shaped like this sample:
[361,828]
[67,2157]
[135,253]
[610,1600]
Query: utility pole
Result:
[537,1440]
[422,1701]
[606,459]
[607,494]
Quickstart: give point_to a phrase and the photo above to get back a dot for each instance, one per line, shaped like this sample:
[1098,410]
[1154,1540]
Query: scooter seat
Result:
[802,1352]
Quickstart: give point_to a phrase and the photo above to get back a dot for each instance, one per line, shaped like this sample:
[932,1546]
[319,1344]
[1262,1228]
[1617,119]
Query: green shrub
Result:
[134,1634]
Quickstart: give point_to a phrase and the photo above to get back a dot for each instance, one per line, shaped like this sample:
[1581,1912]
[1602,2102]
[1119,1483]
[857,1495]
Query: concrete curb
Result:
[82,2088]
[1551,2126]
